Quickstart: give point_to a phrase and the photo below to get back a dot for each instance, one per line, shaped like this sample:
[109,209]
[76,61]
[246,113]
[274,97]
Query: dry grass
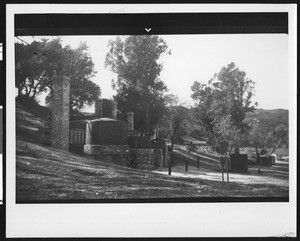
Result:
[44,173]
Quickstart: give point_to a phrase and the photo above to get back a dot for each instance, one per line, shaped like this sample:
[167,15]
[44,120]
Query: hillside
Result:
[269,117]
[47,174]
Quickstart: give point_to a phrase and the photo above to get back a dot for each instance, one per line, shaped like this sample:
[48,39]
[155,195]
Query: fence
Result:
[77,136]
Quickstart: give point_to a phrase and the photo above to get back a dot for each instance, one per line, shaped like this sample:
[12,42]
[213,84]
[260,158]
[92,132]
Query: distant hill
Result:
[270,118]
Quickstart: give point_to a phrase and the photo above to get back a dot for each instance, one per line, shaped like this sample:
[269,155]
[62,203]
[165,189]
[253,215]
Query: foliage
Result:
[226,96]
[225,135]
[277,137]
[38,63]
[256,137]
[269,130]
[192,147]
[178,123]
[267,139]
[135,60]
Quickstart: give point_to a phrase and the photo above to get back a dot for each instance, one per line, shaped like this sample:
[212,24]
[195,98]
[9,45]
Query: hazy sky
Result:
[263,57]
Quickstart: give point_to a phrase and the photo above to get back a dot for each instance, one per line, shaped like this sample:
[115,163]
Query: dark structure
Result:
[238,163]
[104,137]
[106,131]
[266,160]
[98,128]
[106,108]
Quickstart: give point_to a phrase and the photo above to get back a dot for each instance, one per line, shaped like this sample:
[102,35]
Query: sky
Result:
[264,58]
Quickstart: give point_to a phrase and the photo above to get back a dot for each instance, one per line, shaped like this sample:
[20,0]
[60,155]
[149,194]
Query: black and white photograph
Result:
[129,107]
[151,116]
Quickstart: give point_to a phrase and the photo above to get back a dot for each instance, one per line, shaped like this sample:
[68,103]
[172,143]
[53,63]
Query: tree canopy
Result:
[224,100]
[135,60]
[268,132]
[41,61]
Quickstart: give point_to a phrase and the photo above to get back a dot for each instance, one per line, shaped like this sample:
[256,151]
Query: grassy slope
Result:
[44,173]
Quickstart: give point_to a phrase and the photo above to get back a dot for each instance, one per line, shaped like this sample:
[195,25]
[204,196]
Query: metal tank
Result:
[106,108]
[106,131]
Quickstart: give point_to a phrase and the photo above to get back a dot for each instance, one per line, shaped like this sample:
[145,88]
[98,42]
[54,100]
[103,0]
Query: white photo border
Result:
[145,219]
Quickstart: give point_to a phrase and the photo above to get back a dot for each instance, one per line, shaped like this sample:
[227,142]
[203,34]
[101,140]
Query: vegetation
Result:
[269,130]
[222,105]
[135,60]
[38,63]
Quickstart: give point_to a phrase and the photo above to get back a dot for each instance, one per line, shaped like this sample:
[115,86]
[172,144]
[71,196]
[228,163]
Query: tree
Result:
[135,60]
[39,62]
[268,138]
[225,136]
[228,93]
[30,70]
[277,137]
[257,138]
[178,124]
[176,120]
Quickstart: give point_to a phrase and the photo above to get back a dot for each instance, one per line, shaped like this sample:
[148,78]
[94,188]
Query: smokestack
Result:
[130,121]
[106,108]
[98,108]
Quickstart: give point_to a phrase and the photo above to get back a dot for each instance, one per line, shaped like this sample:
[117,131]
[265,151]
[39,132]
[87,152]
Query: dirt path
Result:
[277,174]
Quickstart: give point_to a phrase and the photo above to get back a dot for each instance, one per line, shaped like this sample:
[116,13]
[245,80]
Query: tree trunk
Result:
[257,155]
[170,163]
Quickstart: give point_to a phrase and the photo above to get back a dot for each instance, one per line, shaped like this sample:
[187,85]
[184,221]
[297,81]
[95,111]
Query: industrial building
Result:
[103,137]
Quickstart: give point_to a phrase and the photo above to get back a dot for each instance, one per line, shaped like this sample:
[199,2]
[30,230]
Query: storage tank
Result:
[106,131]
[106,108]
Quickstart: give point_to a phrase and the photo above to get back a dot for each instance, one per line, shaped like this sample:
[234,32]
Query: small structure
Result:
[238,163]
[105,136]
[142,153]
[100,135]
[274,158]
[266,160]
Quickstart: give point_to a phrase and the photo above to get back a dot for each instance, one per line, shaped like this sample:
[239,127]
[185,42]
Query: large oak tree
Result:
[135,60]
[38,63]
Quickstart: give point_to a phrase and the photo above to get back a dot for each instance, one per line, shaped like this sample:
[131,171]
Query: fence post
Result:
[198,163]
[227,168]
[169,164]
[186,165]
[222,168]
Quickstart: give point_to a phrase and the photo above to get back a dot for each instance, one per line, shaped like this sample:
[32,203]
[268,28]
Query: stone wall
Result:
[140,158]
[116,154]
[146,158]
[60,106]
[105,149]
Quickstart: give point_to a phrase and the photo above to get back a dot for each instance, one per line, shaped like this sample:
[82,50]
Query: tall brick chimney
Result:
[60,113]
